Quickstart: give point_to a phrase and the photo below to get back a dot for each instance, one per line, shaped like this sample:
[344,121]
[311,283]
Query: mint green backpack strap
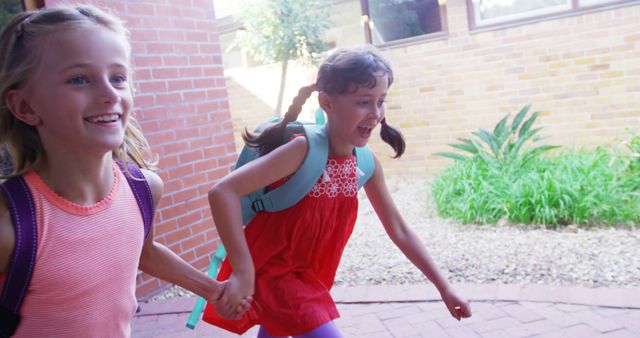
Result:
[366,164]
[319,117]
[301,182]
[214,266]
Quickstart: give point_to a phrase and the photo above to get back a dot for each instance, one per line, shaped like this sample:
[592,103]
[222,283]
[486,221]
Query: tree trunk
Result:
[283,77]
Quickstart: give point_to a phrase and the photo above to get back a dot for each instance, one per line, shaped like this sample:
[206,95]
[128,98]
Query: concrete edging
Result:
[628,298]
[606,297]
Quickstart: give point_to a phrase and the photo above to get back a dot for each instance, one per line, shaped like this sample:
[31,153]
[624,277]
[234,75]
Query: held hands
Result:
[236,297]
[458,307]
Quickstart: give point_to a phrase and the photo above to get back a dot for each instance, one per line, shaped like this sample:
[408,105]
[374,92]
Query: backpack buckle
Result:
[257,206]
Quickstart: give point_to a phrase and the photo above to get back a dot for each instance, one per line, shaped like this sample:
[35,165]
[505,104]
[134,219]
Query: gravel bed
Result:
[509,254]
[487,254]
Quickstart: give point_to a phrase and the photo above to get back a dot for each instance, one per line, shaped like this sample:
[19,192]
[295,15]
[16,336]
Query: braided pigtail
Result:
[392,137]
[273,136]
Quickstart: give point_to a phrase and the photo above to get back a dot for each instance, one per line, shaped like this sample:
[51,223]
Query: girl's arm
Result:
[224,200]
[7,235]
[407,241]
[159,261]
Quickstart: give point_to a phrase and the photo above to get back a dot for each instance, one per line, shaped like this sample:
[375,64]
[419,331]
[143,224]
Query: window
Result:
[491,13]
[392,20]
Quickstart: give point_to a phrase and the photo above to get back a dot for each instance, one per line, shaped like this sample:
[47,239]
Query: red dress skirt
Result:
[296,253]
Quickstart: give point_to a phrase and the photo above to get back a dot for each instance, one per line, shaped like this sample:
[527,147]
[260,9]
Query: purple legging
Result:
[327,330]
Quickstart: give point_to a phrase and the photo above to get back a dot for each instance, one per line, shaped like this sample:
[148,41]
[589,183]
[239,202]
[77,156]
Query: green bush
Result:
[576,187]
[503,178]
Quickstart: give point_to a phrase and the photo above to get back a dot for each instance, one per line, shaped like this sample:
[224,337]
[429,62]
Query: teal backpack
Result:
[294,189]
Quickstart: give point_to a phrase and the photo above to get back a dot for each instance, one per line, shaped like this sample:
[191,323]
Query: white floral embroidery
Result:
[338,179]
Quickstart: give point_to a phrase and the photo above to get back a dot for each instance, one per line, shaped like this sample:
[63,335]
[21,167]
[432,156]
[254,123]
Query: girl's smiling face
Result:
[79,97]
[353,116]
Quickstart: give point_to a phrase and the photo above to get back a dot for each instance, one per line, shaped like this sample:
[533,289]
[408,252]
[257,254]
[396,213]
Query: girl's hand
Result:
[458,307]
[236,297]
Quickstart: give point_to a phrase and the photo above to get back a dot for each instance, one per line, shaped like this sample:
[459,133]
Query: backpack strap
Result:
[366,165]
[18,277]
[142,193]
[301,182]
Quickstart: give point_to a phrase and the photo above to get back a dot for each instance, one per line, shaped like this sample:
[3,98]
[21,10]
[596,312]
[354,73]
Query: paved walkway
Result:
[416,311]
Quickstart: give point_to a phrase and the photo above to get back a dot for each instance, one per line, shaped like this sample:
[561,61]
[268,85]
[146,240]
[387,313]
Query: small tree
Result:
[283,30]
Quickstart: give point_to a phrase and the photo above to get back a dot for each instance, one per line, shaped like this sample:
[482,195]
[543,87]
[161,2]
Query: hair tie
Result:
[383,122]
[20,29]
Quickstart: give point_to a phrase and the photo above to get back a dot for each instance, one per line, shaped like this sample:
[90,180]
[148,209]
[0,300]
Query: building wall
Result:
[582,71]
[181,102]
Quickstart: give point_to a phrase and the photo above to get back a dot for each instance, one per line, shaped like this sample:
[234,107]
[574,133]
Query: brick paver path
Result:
[416,311]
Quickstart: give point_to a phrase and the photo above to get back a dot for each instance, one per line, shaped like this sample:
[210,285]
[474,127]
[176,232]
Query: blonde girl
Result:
[65,117]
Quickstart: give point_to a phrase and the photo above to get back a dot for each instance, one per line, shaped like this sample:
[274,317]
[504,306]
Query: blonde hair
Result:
[19,58]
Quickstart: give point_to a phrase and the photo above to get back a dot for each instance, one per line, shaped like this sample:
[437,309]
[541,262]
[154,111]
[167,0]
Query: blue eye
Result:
[363,103]
[78,80]
[119,79]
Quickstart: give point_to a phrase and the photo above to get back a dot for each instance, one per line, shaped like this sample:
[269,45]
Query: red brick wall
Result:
[181,102]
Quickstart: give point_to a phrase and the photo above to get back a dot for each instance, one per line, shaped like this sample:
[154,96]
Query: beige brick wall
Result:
[581,71]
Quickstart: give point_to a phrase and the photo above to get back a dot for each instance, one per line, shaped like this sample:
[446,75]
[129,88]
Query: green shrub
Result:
[576,187]
[503,178]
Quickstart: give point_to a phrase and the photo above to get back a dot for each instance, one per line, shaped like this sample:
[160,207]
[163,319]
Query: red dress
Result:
[296,254]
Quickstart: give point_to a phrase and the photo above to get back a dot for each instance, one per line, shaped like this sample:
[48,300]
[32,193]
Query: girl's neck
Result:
[337,147]
[83,181]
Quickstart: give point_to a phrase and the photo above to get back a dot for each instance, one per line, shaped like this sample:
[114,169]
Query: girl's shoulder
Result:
[155,184]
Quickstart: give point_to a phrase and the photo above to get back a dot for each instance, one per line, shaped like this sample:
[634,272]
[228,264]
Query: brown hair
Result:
[20,56]
[340,74]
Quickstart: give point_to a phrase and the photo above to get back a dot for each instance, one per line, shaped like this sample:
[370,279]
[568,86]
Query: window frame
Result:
[366,23]
[574,8]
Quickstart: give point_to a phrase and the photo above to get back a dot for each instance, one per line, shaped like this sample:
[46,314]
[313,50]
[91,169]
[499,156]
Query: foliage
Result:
[633,145]
[8,8]
[283,30]
[577,187]
[504,147]
[276,30]
[499,178]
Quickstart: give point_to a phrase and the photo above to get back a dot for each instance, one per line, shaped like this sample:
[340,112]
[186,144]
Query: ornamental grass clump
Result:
[504,148]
